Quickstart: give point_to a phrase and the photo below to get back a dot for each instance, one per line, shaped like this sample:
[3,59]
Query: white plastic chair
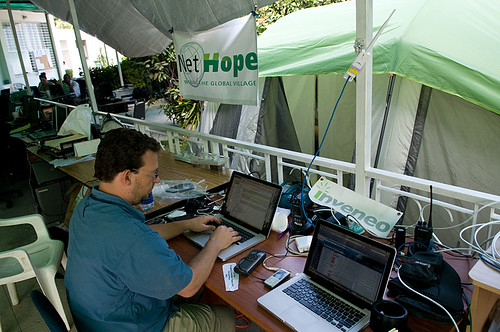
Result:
[39,259]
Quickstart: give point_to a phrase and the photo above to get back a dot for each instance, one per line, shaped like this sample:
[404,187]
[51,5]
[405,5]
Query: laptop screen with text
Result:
[353,266]
[251,201]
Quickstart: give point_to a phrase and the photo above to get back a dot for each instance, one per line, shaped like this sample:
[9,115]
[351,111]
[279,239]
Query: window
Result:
[33,38]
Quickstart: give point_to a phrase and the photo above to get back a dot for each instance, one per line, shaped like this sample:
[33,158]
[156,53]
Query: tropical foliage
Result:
[270,14]
[158,73]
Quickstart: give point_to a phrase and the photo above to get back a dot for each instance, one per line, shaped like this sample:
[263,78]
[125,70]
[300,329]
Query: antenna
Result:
[361,58]
[429,223]
[423,231]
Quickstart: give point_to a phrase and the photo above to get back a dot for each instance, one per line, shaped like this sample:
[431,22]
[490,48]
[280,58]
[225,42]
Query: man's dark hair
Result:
[122,149]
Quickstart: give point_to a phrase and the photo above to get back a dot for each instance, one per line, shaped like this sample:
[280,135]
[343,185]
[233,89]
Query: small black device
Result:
[277,278]
[250,262]
[299,224]
[423,231]
[400,237]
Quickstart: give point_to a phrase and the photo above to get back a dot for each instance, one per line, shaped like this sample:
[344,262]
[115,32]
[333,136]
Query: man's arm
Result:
[197,224]
[203,263]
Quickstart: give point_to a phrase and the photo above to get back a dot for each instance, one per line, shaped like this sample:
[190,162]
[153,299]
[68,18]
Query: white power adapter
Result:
[303,243]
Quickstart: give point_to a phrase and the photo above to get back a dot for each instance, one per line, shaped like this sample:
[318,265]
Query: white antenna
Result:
[361,58]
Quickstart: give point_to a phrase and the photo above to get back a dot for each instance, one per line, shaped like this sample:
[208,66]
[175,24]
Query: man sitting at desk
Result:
[44,85]
[69,86]
[121,274]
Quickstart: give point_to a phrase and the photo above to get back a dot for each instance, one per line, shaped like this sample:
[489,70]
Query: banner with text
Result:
[375,217]
[219,64]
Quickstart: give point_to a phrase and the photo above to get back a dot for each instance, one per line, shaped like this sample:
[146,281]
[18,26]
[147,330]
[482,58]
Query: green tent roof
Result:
[450,45]
[19,5]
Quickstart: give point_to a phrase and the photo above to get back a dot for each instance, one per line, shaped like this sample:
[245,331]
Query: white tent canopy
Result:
[143,27]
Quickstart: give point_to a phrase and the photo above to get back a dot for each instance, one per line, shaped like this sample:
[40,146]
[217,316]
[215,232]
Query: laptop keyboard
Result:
[245,236]
[330,308]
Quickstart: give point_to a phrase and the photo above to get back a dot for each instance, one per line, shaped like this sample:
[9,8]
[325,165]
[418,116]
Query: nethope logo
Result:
[374,216]
[193,63]
[190,59]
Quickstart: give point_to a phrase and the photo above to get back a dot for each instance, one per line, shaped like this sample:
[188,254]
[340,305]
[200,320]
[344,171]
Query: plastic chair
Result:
[39,259]
[49,313]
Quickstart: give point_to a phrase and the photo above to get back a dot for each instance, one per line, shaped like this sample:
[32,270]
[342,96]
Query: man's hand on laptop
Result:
[203,223]
[224,237]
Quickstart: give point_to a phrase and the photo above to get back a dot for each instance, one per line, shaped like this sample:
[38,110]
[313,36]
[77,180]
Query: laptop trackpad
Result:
[299,318]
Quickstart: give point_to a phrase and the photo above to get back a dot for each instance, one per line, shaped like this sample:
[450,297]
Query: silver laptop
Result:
[345,273]
[249,208]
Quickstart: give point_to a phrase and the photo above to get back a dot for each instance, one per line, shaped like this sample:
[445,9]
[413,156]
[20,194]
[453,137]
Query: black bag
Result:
[429,274]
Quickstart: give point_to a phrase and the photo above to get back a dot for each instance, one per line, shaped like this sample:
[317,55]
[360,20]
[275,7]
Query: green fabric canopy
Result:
[19,5]
[449,45]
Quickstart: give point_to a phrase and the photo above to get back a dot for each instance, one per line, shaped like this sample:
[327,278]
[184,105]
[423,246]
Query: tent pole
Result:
[18,47]
[106,53]
[388,99]
[364,28]
[51,36]
[120,74]
[79,44]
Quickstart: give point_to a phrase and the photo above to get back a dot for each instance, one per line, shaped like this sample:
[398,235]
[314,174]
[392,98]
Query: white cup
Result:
[280,222]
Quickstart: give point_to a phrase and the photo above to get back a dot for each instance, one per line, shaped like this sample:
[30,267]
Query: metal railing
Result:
[273,164]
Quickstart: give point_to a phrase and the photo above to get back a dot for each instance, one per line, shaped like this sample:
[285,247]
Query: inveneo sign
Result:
[375,217]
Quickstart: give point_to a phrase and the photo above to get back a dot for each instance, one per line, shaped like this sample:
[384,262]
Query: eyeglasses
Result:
[154,175]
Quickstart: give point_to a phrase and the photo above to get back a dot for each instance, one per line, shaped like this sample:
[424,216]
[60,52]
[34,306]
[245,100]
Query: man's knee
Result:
[202,317]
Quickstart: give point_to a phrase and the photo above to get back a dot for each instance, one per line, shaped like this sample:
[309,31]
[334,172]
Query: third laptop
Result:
[249,207]
[345,273]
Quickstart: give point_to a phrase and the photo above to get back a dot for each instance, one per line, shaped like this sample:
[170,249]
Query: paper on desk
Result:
[231,278]
[69,161]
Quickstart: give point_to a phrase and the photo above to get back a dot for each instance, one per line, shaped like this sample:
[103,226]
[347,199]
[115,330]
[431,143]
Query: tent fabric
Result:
[446,44]
[142,27]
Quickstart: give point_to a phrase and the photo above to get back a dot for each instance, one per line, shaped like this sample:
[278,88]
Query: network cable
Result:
[317,152]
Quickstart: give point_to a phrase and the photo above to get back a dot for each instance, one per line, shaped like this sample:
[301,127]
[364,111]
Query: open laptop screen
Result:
[353,265]
[251,201]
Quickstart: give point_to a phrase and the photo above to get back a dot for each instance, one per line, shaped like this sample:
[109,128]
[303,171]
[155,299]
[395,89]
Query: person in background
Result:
[70,86]
[44,84]
[121,274]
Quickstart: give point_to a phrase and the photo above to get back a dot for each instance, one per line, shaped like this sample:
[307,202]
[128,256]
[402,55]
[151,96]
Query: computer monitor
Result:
[31,110]
[35,91]
[140,110]
[5,106]
[56,90]
[58,117]
[103,91]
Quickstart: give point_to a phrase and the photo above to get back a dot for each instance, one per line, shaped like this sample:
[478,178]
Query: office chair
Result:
[48,312]
[19,86]
[39,259]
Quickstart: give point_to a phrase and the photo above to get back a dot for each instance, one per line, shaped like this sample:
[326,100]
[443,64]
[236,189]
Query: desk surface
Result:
[245,298]
[169,169]
[485,277]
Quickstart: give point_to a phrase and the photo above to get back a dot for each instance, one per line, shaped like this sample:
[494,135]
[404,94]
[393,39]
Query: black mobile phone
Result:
[277,278]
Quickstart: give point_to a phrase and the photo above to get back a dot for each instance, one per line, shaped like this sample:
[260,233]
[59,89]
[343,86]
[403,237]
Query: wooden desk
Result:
[250,289]
[169,169]
[245,298]
[486,292]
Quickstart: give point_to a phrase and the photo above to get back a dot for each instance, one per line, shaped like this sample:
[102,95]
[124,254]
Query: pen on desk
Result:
[282,233]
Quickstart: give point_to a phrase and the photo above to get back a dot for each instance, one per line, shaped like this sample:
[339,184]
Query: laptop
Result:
[345,270]
[249,207]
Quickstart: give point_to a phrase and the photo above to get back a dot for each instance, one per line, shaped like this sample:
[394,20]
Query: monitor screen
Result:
[103,91]
[31,109]
[56,90]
